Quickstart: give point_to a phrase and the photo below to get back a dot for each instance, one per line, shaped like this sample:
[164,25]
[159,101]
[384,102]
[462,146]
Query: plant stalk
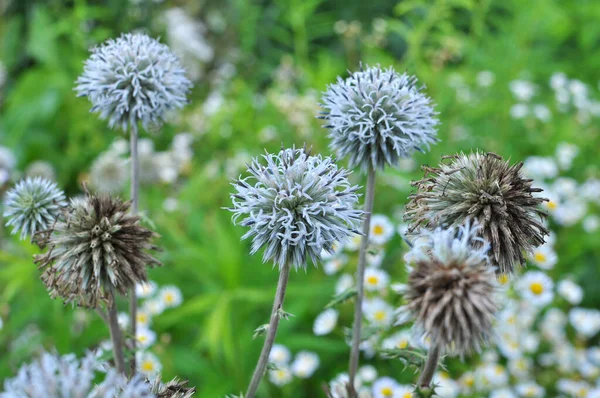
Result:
[271,332]
[116,337]
[360,276]
[135,194]
[430,366]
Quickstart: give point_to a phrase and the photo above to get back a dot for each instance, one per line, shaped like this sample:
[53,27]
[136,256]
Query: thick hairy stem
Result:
[360,276]
[263,360]
[116,337]
[135,194]
[430,366]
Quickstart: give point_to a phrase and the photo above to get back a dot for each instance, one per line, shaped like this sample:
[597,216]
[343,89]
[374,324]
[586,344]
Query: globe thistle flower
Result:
[486,188]
[451,289]
[52,376]
[377,117]
[33,205]
[297,205]
[97,249]
[133,78]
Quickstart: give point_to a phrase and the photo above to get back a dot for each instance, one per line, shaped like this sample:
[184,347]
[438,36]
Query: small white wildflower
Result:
[345,282]
[485,78]
[109,173]
[145,337]
[544,257]
[381,229]
[334,265]
[171,296]
[542,112]
[375,279]
[503,393]
[540,168]
[558,80]
[398,341]
[153,306]
[570,291]
[280,354]
[148,363]
[305,364]
[385,387]
[565,154]
[145,289]
[519,111]
[280,376]
[325,322]
[522,90]
[378,312]
[367,373]
[530,389]
[446,387]
[143,319]
[585,321]
[535,287]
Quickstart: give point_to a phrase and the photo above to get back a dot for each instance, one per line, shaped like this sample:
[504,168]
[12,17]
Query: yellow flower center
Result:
[582,393]
[142,318]
[407,395]
[402,344]
[539,257]
[503,279]
[379,315]
[536,288]
[281,374]
[387,392]
[499,370]
[551,205]
[169,297]
[470,381]
[377,229]
[142,338]
[372,280]
[147,366]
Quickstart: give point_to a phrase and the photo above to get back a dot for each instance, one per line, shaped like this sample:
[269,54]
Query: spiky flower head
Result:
[52,376]
[451,289]
[378,116]
[33,205]
[133,78]
[488,189]
[172,389]
[297,205]
[95,250]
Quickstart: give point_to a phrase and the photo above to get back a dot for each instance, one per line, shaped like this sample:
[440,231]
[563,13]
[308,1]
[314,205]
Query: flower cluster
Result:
[97,249]
[378,116]
[133,78]
[297,205]
[284,369]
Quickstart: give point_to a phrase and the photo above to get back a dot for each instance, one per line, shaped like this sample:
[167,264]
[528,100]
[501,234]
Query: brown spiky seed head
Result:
[488,189]
[451,294]
[173,389]
[95,250]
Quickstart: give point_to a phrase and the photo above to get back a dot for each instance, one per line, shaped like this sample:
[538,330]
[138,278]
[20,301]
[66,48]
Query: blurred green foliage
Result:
[227,293]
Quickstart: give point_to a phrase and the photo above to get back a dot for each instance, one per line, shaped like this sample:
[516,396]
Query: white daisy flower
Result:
[542,112]
[375,279]
[536,288]
[353,243]
[148,363]
[565,154]
[574,388]
[565,187]
[591,223]
[374,259]
[336,249]
[530,389]
[503,393]
[570,291]
[485,78]
[382,229]
[520,367]
[544,257]
[466,383]
[305,364]
[385,387]
[145,289]
[280,376]
[495,375]
[325,322]
[519,111]
[345,282]
[153,306]
[447,388]
[590,190]
[145,337]
[585,321]
[334,265]
[558,80]
[280,355]
[522,90]
[404,391]
[143,318]
[399,340]
[540,168]
[570,212]
[378,312]
[171,296]
[367,373]
[123,320]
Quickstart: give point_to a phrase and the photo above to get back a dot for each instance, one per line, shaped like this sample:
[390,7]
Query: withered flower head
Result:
[95,250]
[173,389]
[487,189]
[451,289]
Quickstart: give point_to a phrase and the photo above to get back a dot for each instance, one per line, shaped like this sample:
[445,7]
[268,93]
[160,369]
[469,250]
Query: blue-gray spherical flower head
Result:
[378,116]
[33,205]
[133,79]
[297,206]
